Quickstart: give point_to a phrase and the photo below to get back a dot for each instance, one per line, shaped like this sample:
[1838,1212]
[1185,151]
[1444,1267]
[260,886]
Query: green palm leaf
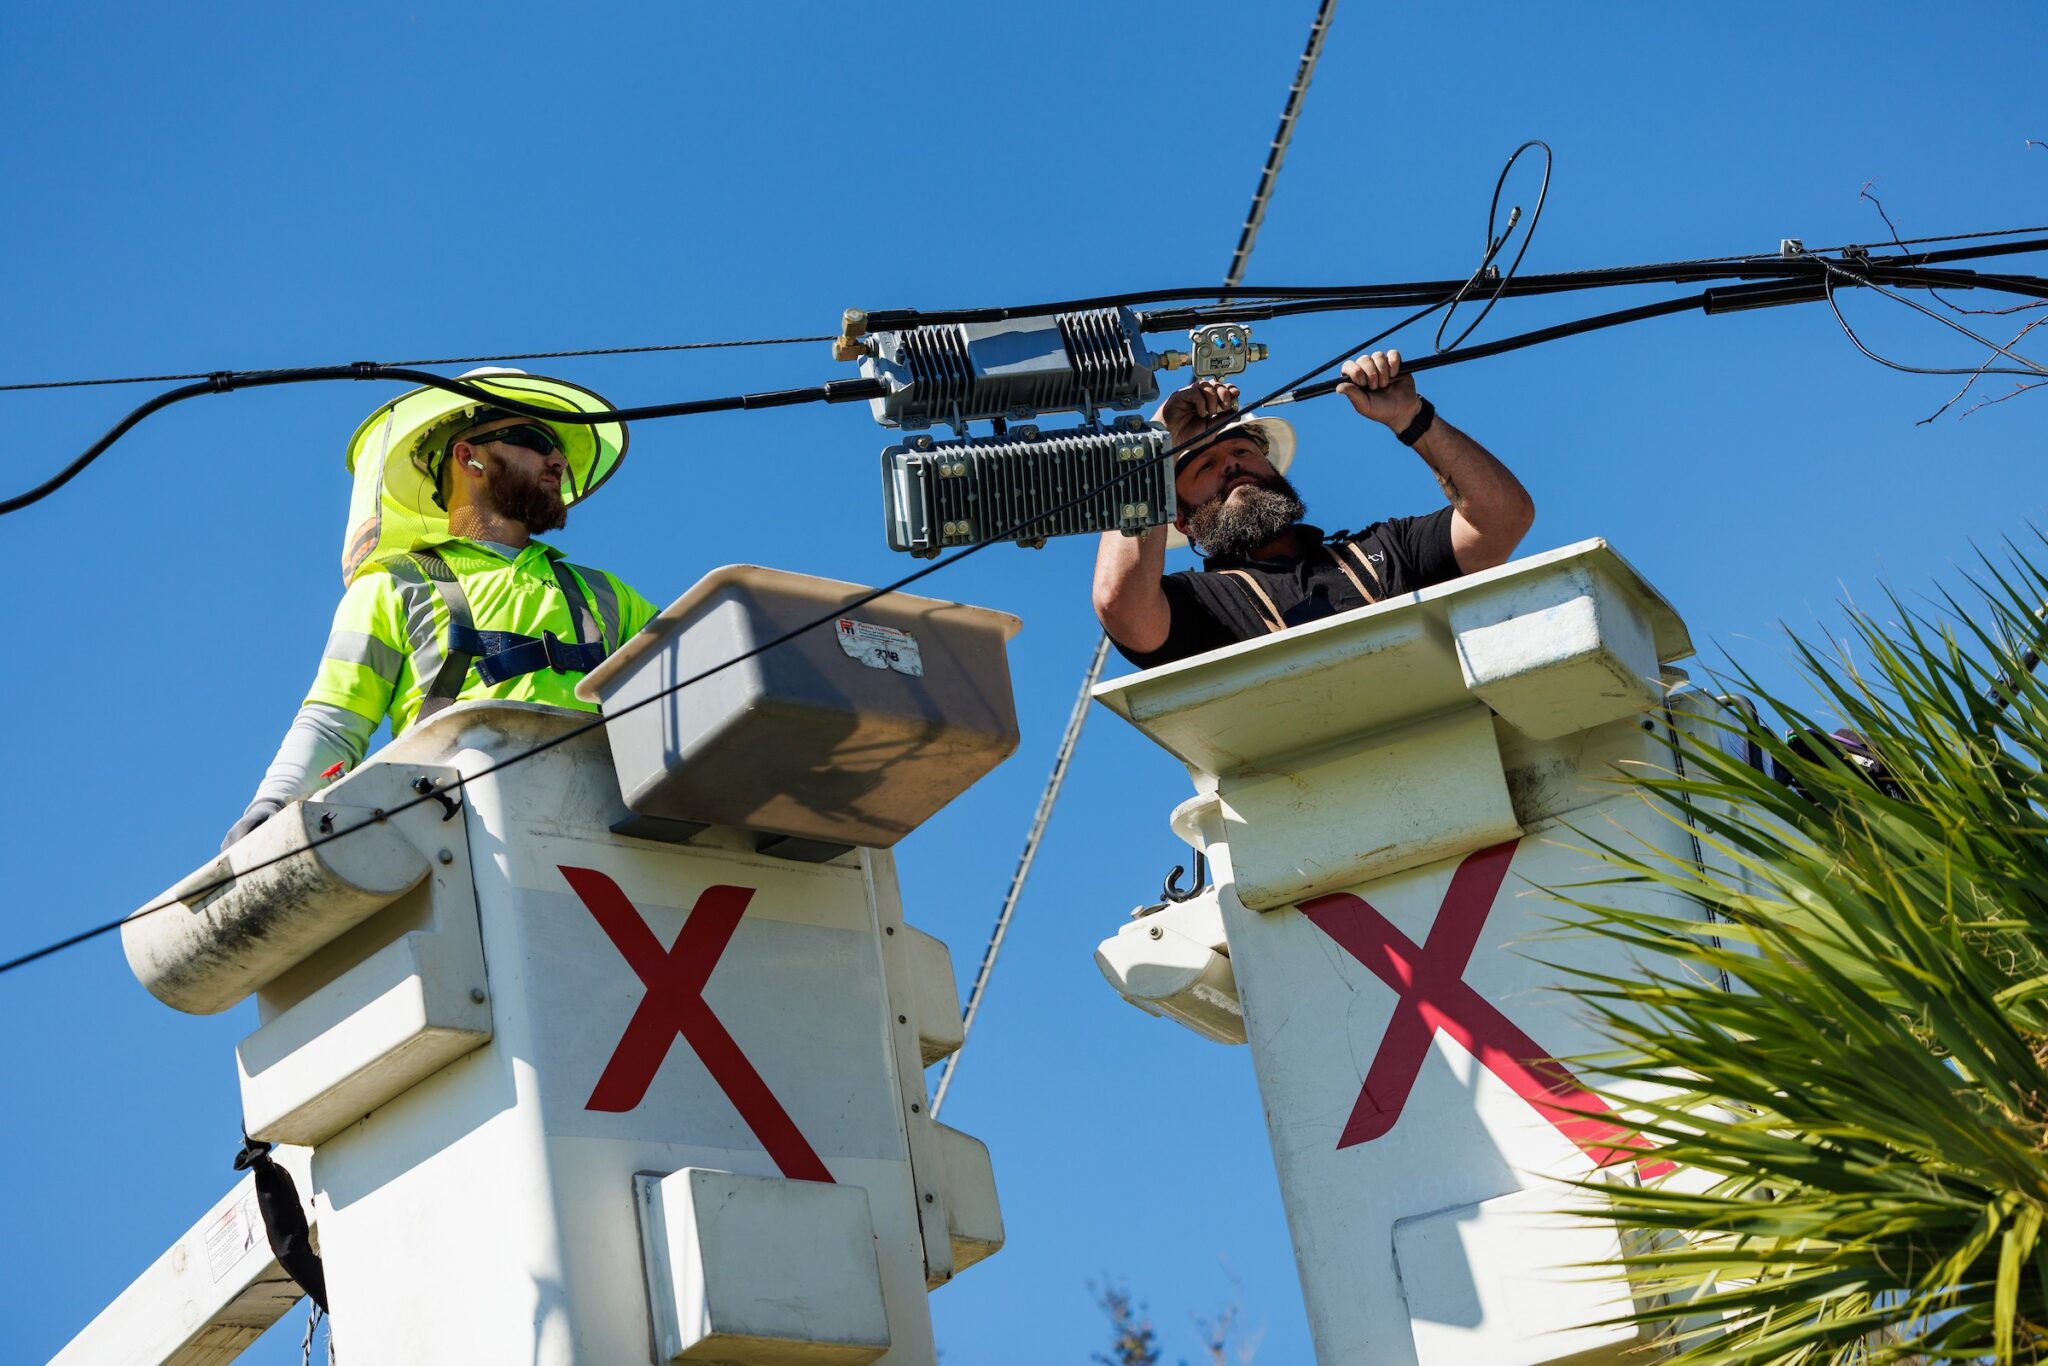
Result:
[1861,1122]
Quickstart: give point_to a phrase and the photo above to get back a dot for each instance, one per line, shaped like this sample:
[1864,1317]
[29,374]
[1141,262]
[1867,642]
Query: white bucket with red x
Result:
[1379,795]
[702,1108]
[575,1095]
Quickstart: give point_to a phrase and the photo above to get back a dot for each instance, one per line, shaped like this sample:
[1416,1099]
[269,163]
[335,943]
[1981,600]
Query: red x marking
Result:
[1433,995]
[674,1004]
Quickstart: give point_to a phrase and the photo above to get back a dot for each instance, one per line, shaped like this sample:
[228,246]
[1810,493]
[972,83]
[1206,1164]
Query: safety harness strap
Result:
[501,655]
[464,644]
[579,607]
[607,601]
[506,654]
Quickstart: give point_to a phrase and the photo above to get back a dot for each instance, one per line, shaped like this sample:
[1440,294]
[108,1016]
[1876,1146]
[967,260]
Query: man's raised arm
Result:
[1129,601]
[1491,511]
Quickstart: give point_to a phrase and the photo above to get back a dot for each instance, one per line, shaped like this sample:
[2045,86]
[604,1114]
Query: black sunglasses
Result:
[531,435]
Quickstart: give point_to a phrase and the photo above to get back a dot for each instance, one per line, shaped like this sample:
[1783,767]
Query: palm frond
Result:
[1860,1125]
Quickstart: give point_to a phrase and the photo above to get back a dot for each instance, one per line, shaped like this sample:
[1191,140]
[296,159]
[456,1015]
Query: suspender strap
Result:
[1338,553]
[1262,604]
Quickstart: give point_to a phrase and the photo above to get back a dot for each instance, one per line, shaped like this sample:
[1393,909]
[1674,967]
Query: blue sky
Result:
[219,186]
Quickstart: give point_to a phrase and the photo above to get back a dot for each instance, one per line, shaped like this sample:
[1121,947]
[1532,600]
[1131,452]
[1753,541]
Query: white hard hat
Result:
[1275,434]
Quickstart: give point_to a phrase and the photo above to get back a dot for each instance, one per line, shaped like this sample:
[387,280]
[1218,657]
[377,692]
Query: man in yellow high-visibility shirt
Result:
[449,596]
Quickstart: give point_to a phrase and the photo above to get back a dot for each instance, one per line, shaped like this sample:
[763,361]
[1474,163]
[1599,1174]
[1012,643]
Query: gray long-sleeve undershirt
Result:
[320,737]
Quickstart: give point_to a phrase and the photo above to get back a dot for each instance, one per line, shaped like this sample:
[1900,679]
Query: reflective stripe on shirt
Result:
[390,629]
[360,647]
[599,585]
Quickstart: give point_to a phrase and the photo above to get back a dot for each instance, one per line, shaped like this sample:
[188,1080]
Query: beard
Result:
[1232,529]
[523,498]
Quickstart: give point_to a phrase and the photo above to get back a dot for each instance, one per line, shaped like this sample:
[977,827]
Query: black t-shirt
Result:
[1228,600]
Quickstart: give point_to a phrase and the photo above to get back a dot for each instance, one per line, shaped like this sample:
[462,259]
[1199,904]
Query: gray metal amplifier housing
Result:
[1018,369]
[948,493]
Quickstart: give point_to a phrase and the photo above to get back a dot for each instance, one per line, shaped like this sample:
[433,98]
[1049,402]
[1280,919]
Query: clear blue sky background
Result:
[220,185]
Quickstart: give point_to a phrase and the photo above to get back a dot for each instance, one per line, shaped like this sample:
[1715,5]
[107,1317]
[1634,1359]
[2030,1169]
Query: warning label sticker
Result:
[234,1232]
[881,647]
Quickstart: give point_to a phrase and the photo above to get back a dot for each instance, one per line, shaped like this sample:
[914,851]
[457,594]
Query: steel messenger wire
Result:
[1233,276]
[1202,439]
[1297,390]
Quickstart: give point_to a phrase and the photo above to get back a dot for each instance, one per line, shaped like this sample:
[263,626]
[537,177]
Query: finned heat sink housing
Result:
[1015,370]
[948,493]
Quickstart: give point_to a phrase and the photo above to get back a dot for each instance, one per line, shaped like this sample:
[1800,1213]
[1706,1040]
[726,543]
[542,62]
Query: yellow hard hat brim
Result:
[390,454]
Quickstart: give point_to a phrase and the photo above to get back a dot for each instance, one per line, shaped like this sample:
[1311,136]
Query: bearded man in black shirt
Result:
[1264,569]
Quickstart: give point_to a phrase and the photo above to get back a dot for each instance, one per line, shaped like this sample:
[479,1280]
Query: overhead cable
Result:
[1726,299]
[1730,299]
[439,360]
[1199,441]
[1909,271]
[1327,296]
[1407,293]
[1494,242]
[2033,367]
[228,381]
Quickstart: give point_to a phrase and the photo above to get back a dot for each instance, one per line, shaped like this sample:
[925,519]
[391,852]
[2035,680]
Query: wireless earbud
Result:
[473,465]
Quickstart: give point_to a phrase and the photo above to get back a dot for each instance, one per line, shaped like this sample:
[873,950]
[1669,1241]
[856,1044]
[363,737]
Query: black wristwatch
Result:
[1425,418]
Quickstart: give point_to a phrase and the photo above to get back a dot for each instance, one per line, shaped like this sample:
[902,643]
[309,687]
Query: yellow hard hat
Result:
[395,454]
[1275,434]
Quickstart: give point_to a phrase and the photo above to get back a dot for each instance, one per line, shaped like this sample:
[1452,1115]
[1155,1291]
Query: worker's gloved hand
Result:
[259,811]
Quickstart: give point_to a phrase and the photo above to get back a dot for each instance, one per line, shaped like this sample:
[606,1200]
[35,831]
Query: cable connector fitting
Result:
[853,330]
